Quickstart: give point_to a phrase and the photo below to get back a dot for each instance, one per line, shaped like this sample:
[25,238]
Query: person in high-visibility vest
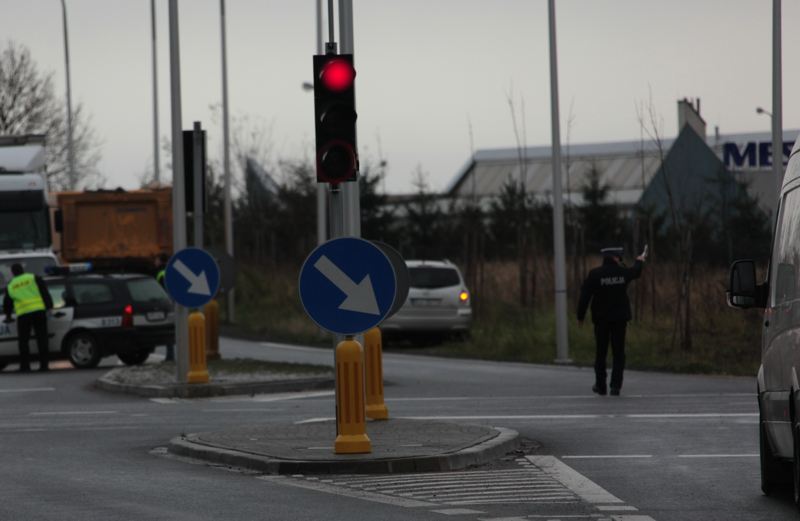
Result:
[27,297]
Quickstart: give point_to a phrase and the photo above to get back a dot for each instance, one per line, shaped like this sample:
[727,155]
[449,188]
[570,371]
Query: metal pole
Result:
[156,156]
[352,203]
[777,101]
[178,190]
[321,191]
[562,341]
[70,145]
[197,175]
[226,145]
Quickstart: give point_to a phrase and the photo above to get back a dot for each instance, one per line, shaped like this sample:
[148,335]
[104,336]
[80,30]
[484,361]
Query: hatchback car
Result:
[438,302]
[94,316]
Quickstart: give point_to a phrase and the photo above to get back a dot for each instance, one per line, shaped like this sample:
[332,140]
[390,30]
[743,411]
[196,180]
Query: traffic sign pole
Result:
[178,189]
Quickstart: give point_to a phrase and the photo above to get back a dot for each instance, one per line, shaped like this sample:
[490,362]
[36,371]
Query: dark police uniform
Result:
[606,288]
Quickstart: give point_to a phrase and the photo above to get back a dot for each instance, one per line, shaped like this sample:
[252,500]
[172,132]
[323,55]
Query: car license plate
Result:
[425,302]
[156,315]
[111,322]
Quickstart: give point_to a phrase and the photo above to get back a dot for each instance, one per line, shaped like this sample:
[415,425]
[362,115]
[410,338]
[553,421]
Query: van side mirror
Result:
[743,292]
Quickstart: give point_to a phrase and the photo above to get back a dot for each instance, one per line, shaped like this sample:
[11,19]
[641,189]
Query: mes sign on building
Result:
[752,155]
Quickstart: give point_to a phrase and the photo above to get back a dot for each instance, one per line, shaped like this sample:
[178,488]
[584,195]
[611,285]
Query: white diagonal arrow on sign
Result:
[360,297]
[198,283]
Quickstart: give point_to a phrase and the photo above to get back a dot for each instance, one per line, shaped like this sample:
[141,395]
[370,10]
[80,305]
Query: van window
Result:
[786,252]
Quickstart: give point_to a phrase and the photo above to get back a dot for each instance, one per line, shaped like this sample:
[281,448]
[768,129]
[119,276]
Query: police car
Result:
[96,315]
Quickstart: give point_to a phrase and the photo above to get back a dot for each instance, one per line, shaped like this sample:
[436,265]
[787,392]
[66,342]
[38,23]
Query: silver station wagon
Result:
[438,303]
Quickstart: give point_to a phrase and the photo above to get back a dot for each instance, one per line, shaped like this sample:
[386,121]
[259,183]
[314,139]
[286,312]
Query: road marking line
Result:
[314,420]
[580,485]
[317,350]
[254,409]
[695,415]
[457,511]
[571,397]
[347,492]
[719,456]
[515,417]
[29,390]
[607,456]
[616,508]
[70,413]
[166,400]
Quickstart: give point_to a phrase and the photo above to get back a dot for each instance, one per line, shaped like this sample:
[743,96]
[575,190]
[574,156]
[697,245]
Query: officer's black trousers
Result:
[37,320]
[603,333]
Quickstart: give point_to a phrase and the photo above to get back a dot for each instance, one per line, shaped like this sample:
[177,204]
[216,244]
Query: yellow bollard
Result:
[373,355]
[350,422]
[198,372]
[211,312]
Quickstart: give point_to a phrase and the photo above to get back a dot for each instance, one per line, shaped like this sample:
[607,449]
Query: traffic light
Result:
[335,113]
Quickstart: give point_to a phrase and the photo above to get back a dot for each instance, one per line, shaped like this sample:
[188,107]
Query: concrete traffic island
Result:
[398,445]
[228,377]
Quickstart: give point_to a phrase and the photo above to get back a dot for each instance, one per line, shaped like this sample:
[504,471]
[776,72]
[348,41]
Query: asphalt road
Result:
[672,447]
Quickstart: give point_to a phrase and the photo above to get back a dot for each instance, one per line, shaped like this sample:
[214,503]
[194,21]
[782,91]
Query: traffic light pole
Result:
[178,190]
[351,195]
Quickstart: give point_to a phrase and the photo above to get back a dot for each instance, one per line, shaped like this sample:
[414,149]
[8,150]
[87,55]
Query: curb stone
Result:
[215,389]
[504,441]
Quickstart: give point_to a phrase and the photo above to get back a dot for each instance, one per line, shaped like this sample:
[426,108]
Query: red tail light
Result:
[127,316]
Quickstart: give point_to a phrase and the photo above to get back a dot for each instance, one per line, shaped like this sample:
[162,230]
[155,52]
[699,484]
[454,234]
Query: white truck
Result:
[25,232]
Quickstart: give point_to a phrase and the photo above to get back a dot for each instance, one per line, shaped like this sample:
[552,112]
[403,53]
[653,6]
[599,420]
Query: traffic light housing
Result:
[335,118]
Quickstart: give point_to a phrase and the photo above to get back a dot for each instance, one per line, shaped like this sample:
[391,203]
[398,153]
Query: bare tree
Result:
[29,106]
[682,224]
[523,219]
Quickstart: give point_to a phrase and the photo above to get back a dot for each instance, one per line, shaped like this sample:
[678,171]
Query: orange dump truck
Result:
[115,230]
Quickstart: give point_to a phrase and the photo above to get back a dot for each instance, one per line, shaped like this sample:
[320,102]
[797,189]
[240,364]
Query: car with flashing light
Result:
[99,315]
[438,303]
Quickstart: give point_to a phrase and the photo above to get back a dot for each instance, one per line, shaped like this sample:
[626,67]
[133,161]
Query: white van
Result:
[778,379]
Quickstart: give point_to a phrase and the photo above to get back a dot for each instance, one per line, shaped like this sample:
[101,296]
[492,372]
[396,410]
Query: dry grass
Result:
[725,341]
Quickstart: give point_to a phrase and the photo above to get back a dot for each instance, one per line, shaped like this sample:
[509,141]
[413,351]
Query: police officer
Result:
[27,296]
[606,288]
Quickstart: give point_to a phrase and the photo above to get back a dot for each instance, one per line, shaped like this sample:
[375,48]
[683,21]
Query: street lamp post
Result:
[70,144]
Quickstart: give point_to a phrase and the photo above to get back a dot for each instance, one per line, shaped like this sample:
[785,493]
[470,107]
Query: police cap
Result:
[613,251]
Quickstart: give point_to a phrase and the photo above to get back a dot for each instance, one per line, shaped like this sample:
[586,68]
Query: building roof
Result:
[626,167]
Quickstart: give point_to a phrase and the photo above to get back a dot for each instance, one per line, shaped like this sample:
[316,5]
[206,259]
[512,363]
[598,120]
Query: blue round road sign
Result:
[192,277]
[347,285]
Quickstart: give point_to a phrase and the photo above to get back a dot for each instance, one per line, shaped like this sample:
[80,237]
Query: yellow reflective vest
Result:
[24,291]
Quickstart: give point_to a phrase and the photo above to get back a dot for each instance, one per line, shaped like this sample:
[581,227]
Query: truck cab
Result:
[24,212]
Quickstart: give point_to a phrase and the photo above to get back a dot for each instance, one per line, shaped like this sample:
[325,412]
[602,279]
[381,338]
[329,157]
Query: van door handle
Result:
[766,324]
[59,314]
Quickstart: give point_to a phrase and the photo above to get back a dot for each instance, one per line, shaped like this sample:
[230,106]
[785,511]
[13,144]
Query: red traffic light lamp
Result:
[335,118]
[337,75]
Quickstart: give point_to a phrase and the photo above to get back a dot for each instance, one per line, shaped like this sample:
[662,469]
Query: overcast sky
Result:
[426,69]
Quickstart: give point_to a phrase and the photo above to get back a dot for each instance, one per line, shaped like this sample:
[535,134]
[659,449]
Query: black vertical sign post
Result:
[194,153]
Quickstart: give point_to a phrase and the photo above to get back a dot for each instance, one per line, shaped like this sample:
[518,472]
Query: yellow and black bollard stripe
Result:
[350,419]
[198,372]
[373,354]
